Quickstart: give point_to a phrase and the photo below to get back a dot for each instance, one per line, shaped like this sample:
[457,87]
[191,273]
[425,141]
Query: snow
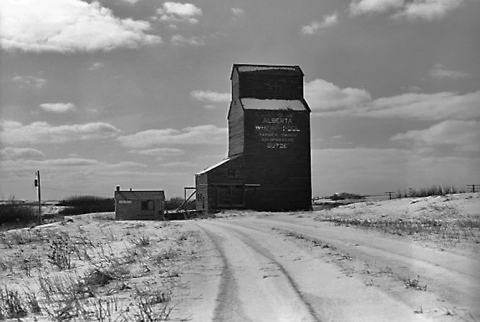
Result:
[257,104]
[216,165]
[254,68]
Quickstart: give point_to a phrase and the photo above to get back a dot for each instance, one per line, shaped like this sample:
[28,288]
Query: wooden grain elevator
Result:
[268,166]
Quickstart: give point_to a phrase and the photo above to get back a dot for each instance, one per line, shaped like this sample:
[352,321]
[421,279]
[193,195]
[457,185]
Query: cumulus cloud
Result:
[159,152]
[315,26]
[58,107]
[324,96]
[131,2]
[75,166]
[29,81]
[96,66]
[211,96]
[427,10]
[68,26]
[237,12]
[178,164]
[13,153]
[181,40]
[439,71]
[202,134]
[12,132]
[429,107]
[464,135]
[179,12]
[359,7]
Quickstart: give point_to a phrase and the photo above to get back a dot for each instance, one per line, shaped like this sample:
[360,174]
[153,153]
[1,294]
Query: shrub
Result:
[426,192]
[176,202]
[345,195]
[15,212]
[141,241]
[11,305]
[77,205]
[100,277]
[61,250]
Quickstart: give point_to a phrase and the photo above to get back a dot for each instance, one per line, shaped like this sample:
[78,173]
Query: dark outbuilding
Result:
[269,157]
[139,204]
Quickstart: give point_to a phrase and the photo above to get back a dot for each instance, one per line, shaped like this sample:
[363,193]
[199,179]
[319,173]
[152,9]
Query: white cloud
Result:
[71,167]
[428,9]
[405,9]
[181,40]
[202,134]
[159,152]
[237,12]
[179,12]
[96,66]
[440,72]
[12,132]
[71,162]
[324,96]
[68,26]
[359,7]
[58,107]
[178,164]
[21,153]
[29,81]
[463,135]
[131,2]
[315,26]
[436,106]
[211,96]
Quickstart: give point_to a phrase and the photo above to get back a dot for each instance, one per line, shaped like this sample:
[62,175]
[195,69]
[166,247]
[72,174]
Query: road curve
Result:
[263,276]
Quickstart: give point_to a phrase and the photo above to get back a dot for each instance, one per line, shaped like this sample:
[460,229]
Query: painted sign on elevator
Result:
[277,132]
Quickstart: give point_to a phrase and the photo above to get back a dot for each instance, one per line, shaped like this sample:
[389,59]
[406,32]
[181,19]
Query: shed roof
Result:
[140,194]
[245,68]
[274,104]
[218,164]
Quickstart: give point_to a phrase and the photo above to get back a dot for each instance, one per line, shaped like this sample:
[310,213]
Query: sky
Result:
[135,93]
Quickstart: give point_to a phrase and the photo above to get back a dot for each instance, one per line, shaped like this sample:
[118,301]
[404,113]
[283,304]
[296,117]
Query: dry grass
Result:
[436,219]
[93,269]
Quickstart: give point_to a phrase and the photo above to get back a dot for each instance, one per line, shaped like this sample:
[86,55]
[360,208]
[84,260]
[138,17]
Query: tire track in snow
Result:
[227,307]
[289,304]
[319,284]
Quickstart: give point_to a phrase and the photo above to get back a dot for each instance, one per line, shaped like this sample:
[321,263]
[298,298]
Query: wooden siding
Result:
[278,158]
[223,180]
[267,84]
[235,129]
[235,85]
[202,195]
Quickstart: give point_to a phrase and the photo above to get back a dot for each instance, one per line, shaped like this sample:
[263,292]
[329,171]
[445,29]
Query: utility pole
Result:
[389,194]
[37,184]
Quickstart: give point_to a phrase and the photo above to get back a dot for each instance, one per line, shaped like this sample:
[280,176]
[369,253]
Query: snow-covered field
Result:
[413,259]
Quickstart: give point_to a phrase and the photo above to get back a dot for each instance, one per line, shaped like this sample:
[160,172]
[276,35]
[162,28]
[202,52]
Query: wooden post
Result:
[37,184]
[389,194]
[472,187]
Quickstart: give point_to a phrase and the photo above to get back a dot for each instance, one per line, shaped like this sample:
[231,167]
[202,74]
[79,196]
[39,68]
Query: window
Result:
[148,205]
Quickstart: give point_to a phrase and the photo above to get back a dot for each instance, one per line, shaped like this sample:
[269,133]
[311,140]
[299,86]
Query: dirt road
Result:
[282,268]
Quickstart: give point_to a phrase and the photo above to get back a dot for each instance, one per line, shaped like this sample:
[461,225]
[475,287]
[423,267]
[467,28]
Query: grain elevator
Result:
[268,166]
